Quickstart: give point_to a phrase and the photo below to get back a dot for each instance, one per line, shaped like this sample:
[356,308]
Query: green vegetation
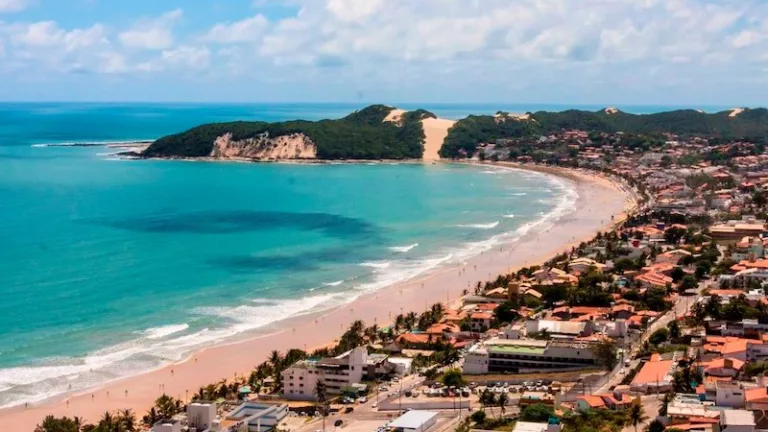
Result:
[642,130]
[537,413]
[361,135]
[453,378]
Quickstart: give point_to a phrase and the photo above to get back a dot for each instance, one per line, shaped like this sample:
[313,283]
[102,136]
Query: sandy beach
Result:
[600,204]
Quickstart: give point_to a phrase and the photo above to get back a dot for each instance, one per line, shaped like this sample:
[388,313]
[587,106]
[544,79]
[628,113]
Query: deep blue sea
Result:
[111,267]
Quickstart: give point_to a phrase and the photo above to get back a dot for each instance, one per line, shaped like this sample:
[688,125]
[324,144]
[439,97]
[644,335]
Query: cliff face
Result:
[264,147]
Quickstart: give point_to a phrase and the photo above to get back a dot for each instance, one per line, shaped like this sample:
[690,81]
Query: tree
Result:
[659,336]
[478,417]
[677,274]
[674,330]
[64,424]
[487,399]
[656,426]
[605,353]
[539,413]
[673,235]
[688,282]
[637,414]
[321,393]
[504,312]
[166,406]
[759,198]
[453,378]
[503,400]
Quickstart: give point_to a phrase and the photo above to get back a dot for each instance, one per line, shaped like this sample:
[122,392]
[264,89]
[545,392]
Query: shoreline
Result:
[238,357]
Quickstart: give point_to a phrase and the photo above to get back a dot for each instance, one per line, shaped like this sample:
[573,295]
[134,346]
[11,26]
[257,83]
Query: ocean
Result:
[109,267]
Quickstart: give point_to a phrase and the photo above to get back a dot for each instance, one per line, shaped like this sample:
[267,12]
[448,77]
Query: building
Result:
[559,329]
[737,421]
[526,355]
[167,426]
[655,376]
[337,373]
[537,427]
[415,421]
[480,321]
[254,417]
[201,416]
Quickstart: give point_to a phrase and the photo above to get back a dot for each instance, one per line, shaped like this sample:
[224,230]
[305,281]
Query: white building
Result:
[167,426]
[300,380]
[737,421]
[415,421]
[254,417]
[201,416]
[526,355]
[536,427]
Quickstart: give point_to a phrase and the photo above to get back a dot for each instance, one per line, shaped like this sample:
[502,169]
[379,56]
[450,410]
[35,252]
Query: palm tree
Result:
[151,417]
[107,421]
[487,399]
[399,322]
[637,415]
[410,320]
[126,420]
[322,397]
[372,333]
[275,358]
[503,400]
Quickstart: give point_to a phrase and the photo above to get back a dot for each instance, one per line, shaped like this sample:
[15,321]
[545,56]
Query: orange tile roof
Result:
[481,316]
[759,394]
[653,371]
[726,292]
[720,363]
[593,401]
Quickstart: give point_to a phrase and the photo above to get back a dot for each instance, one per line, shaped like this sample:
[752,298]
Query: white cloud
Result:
[245,31]
[154,34]
[188,57]
[13,5]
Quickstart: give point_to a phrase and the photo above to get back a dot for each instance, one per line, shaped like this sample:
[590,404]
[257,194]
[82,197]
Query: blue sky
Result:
[671,52]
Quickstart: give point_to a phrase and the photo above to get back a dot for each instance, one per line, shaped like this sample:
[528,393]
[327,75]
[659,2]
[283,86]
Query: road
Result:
[682,306]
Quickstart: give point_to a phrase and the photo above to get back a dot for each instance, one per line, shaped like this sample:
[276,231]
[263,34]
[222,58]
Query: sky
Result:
[640,52]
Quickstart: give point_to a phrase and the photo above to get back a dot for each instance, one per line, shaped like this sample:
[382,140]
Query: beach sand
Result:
[435,131]
[599,199]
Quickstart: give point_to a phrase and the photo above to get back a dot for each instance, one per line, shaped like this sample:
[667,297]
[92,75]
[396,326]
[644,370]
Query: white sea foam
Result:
[376,265]
[509,216]
[92,143]
[403,249]
[520,194]
[481,226]
[161,332]
[333,284]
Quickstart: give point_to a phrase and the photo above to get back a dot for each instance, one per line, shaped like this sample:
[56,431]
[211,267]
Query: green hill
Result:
[466,134]
[361,135]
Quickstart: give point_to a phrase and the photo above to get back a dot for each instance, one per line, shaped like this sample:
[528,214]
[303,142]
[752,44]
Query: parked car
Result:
[338,422]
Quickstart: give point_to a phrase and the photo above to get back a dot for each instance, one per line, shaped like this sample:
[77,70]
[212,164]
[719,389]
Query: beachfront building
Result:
[201,416]
[337,373]
[167,426]
[526,355]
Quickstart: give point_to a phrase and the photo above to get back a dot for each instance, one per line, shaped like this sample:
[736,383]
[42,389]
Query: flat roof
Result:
[516,349]
[530,427]
[738,418]
[413,419]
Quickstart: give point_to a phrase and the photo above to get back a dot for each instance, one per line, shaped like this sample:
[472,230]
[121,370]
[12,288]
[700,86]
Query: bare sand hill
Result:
[735,112]
[294,146]
[435,131]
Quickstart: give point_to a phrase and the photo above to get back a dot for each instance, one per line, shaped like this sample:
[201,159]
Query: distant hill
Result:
[466,134]
[364,134]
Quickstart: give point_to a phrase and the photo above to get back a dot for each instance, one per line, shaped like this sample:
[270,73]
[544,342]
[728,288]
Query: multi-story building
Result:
[300,380]
[525,355]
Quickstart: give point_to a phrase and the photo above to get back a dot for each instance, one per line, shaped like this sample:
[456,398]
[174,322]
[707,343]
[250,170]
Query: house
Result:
[583,265]
[654,376]
[532,293]
[723,367]
[654,280]
[622,311]
[749,248]
[729,394]
[737,421]
[480,321]
[672,257]
[497,293]
[167,426]
[537,427]
[589,402]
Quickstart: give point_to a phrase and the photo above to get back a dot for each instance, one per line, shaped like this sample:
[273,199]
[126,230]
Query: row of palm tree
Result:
[119,421]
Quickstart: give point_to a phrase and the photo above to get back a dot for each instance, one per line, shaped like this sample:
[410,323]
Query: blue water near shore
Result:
[109,267]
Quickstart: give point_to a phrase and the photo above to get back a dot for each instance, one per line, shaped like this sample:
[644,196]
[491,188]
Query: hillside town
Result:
[659,324]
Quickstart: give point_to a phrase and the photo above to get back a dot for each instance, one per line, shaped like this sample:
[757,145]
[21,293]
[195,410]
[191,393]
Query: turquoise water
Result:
[110,267]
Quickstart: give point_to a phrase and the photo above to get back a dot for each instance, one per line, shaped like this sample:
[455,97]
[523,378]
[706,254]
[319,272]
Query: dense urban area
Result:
[658,324]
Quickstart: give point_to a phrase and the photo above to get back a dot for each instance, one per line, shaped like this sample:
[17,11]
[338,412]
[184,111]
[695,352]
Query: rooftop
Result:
[738,418]
[413,419]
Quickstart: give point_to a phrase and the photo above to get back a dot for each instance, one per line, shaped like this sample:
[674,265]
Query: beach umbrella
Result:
[245,390]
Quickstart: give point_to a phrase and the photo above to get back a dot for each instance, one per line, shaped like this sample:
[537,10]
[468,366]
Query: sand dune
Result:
[735,112]
[436,130]
[395,116]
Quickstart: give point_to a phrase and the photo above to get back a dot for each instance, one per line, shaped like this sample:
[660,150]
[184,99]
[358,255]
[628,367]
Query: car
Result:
[383,388]
[338,422]
[374,405]
[348,410]
[363,399]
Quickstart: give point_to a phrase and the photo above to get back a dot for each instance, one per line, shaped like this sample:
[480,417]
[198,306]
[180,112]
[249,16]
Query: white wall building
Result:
[201,415]
[300,380]
[167,426]
[415,421]
[527,355]
[737,421]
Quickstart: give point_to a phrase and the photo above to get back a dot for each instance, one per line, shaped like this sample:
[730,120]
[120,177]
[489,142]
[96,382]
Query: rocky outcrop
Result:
[264,147]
